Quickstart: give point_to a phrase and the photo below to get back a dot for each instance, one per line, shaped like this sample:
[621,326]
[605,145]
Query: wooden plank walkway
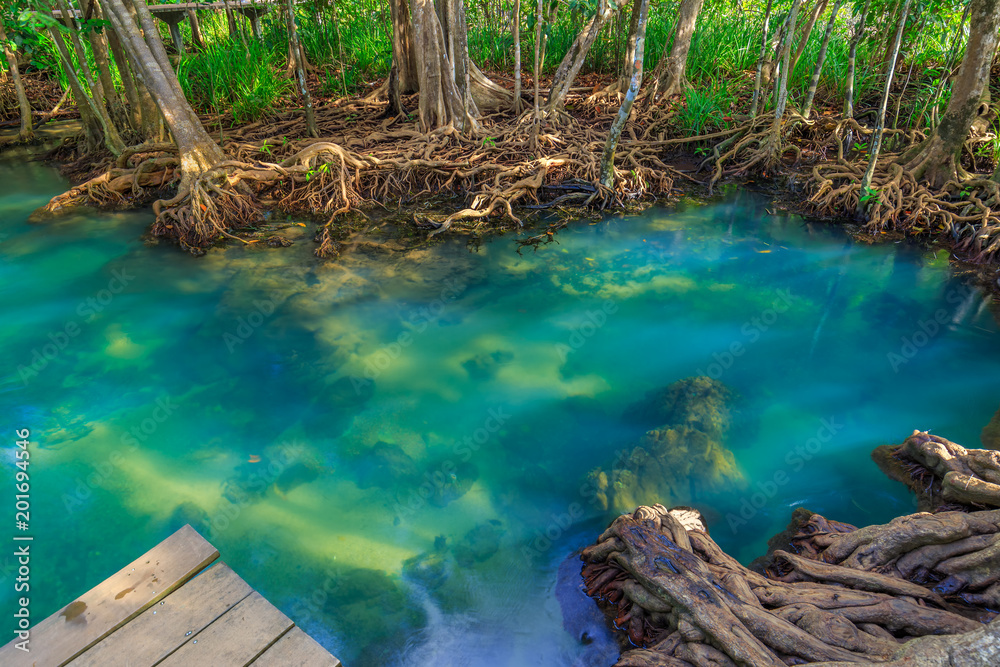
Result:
[222,4]
[168,607]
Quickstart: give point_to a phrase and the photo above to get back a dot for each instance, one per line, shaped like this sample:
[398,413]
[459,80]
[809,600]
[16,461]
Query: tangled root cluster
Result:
[833,595]
[966,210]
[363,160]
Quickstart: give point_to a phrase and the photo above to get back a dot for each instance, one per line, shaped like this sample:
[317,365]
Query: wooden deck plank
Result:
[109,605]
[155,9]
[238,637]
[296,649]
[164,627]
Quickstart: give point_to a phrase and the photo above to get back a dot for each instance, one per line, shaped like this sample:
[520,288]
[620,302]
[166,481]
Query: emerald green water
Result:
[248,392]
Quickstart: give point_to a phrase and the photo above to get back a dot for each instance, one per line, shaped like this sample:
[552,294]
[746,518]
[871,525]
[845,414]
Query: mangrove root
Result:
[847,597]
[367,159]
[942,474]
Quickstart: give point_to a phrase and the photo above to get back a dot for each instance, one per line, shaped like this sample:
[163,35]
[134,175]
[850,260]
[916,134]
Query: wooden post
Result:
[195,29]
[234,30]
[173,20]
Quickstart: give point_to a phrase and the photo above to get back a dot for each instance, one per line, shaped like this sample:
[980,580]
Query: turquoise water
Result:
[391,448]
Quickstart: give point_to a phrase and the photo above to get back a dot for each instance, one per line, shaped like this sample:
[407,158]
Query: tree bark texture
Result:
[937,160]
[669,75]
[827,594]
[26,132]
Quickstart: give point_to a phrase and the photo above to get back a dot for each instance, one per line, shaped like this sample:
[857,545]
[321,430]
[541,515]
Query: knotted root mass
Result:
[965,209]
[942,474]
[847,596]
[365,160]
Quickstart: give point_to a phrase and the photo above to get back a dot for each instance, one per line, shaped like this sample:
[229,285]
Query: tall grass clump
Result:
[725,44]
[364,38]
[248,80]
[706,107]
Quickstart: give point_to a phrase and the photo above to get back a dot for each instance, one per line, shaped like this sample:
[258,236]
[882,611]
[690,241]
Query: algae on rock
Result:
[683,459]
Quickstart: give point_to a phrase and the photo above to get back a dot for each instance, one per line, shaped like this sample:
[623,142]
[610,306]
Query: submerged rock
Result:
[450,486]
[187,513]
[484,366]
[479,544]
[386,466]
[295,475]
[280,467]
[699,403]
[680,461]
[350,391]
[276,241]
[431,568]
[372,604]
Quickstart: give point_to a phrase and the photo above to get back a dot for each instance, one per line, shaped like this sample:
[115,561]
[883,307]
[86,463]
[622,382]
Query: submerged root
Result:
[759,146]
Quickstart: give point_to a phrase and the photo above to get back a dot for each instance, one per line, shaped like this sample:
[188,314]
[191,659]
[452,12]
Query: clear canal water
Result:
[391,447]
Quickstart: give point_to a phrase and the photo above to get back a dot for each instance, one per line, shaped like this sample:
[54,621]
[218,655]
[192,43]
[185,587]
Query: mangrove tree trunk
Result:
[26,133]
[608,158]
[669,75]
[938,159]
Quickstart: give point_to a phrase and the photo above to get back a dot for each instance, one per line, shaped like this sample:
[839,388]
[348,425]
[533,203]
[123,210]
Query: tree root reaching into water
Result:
[942,474]
[848,597]
[967,210]
[366,161]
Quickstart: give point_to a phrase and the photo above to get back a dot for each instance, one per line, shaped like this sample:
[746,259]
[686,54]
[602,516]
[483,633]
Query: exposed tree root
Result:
[849,597]
[370,161]
[967,210]
[760,145]
[942,474]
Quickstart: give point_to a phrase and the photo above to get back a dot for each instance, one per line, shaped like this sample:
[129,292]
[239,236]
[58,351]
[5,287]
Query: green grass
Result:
[248,80]
[705,107]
